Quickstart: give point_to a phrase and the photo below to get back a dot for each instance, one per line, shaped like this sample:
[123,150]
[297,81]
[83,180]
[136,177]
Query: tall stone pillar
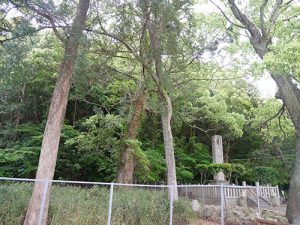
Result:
[217,153]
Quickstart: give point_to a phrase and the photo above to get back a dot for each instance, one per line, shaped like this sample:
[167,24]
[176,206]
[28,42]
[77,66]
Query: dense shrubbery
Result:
[90,151]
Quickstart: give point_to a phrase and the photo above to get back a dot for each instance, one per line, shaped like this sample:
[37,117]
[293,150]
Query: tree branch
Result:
[291,17]
[262,17]
[279,123]
[23,35]
[249,25]
[226,17]
[279,113]
[206,79]
[45,14]
[274,13]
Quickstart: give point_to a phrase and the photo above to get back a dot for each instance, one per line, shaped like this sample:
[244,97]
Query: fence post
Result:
[257,196]
[222,203]
[110,203]
[203,198]
[277,191]
[46,183]
[186,191]
[171,204]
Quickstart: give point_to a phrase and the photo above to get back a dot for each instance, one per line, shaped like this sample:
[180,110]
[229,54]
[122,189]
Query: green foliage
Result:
[266,175]
[280,127]
[157,166]
[112,96]
[92,153]
[20,158]
[187,155]
[208,97]
[233,172]
[283,59]
[213,109]
[142,168]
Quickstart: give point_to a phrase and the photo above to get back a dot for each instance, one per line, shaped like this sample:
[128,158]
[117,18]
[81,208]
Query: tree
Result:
[260,32]
[173,50]
[129,33]
[49,150]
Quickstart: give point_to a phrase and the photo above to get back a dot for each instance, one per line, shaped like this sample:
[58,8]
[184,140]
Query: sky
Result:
[266,86]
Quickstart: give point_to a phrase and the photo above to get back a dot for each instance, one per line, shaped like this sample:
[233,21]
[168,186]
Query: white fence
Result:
[231,190]
[114,203]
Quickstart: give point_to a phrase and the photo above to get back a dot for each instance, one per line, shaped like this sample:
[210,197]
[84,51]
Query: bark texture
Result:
[128,161]
[166,117]
[290,95]
[50,143]
[288,91]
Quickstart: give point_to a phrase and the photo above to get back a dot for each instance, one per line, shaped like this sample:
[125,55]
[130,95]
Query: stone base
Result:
[218,182]
[219,176]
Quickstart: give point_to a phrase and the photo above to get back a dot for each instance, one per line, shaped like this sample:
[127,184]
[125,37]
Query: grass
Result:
[81,205]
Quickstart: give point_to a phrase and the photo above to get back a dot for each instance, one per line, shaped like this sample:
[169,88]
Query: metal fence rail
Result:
[115,203]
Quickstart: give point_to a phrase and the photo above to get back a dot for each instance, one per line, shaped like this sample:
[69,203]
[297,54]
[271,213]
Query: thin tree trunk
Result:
[166,117]
[278,149]
[34,108]
[166,112]
[226,152]
[19,114]
[56,115]
[74,112]
[128,162]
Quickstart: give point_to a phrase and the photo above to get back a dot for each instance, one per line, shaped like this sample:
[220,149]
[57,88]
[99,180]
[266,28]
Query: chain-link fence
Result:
[83,203]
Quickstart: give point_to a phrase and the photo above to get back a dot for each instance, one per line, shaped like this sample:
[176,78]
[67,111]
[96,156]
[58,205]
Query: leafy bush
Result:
[232,171]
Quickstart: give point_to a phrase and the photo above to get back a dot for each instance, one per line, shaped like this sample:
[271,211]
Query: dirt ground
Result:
[202,222]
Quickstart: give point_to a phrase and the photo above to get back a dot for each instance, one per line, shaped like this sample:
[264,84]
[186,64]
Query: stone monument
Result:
[217,154]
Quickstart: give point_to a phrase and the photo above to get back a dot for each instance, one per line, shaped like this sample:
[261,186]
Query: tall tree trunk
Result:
[166,117]
[290,95]
[293,207]
[56,115]
[128,162]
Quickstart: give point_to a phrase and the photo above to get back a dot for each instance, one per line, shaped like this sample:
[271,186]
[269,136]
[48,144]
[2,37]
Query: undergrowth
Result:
[82,205]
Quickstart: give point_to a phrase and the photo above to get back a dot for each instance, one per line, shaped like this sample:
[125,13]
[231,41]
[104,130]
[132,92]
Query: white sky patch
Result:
[205,7]
[266,86]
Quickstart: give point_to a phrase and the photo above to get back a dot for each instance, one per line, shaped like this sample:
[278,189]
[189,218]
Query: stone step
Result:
[262,202]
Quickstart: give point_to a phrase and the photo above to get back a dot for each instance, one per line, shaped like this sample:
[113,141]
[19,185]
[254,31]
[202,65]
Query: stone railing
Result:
[230,191]
[268,191]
